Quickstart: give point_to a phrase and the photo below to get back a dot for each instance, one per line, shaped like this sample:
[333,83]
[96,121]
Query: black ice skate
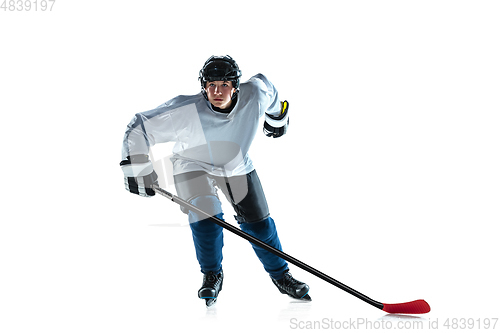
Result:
[212,285]
[293,288]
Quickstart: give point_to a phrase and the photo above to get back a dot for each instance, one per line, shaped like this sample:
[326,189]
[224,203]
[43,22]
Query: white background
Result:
[388,179]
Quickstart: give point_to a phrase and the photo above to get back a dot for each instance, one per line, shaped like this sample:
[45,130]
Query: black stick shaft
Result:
[267,247]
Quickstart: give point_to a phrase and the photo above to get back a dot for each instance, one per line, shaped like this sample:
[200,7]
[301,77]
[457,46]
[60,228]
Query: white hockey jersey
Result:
[205,139]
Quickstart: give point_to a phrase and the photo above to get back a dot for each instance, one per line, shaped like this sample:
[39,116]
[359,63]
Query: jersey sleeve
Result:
[269,95]
[147,129]
[276,116]
[176,120]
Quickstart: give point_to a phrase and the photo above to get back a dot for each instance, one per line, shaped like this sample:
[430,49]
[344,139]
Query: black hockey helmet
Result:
[220,68]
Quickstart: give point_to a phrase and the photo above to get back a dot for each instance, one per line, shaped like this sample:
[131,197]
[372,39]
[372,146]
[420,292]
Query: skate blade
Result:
[210,302]
[305,298]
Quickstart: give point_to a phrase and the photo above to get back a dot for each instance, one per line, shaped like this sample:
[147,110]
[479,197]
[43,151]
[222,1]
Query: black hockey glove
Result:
[277,126]
[139,175]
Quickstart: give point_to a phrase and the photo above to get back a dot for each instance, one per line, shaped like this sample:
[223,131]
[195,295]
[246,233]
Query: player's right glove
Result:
[276,126]
[139,175]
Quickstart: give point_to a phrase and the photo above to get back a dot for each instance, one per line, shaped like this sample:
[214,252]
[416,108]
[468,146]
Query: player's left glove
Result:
[139,175]
[276,126]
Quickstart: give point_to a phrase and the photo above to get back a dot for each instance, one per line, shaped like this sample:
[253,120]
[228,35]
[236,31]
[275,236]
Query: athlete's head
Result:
[220,80]
[220,93]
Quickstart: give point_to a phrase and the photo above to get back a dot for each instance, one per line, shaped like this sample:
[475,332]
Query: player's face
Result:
[219,93]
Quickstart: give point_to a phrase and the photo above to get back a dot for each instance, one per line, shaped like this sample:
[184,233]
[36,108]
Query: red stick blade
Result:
[418,306]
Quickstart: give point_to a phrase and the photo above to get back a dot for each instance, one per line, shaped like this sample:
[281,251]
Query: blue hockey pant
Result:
[208,238]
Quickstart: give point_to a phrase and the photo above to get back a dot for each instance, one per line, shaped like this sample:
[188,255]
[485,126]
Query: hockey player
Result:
[213,131]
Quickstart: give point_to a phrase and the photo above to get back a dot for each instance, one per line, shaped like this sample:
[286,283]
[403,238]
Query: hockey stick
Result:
[414,307]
